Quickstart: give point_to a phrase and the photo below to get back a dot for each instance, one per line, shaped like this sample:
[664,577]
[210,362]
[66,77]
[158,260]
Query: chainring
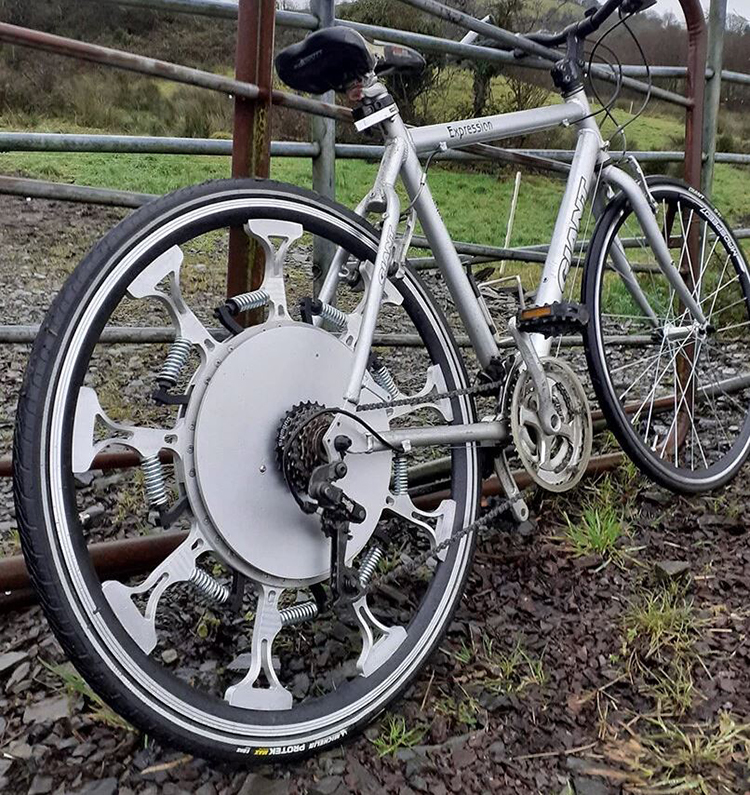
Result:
[557,461]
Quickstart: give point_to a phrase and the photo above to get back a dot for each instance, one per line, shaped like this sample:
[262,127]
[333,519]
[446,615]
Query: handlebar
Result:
[594,19]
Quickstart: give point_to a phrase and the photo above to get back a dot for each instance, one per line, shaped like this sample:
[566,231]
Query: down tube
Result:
[450,265]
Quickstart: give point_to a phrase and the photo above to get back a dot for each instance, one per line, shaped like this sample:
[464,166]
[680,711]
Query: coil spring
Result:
[179,351]
[384,379]
[333,315]
[296,614]
[210,587]
[154,482]
[400,475]
[369,564]
[245,301]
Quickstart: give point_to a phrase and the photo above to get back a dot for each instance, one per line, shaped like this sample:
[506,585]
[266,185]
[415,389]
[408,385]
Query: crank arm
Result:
[518,505]
[547,415]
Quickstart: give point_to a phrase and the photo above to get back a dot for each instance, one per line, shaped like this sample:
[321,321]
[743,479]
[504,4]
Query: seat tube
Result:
[562,247]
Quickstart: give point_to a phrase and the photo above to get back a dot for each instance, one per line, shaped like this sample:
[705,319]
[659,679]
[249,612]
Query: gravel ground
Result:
[548,681]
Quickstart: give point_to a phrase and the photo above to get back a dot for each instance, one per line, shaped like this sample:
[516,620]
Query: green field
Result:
[474,203]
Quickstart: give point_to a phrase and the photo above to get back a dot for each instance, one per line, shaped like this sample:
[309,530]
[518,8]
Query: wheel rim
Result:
[79,586]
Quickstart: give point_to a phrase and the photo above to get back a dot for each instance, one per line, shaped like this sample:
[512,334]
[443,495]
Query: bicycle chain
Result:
[478,525]
[479,389]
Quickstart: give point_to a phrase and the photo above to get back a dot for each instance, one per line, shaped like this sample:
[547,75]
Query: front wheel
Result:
[227,647]
[676,396]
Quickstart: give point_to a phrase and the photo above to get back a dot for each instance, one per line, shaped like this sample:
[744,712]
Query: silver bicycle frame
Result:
[402,149]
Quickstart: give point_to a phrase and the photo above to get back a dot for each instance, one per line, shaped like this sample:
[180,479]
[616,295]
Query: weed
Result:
[461,710]
[467,653]
[502,672]
[514,671]
[74,685]
[395,735]
[596,532]
[208,625]
[131,499]
[664,618]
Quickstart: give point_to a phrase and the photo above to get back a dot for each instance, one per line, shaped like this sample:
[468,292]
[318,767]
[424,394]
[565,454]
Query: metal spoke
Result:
[265,231]
[146,285]
[443,517]
[379,642]
[646,370]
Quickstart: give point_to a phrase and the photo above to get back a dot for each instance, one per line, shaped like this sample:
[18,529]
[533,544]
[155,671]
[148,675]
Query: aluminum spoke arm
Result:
[379,642]
[146,285]
[267,232]
[178,567]
[147,442]
[443,518]
[247,693]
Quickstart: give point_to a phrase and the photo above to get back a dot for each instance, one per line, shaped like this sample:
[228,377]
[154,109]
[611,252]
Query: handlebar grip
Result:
[580,29]
[596,20]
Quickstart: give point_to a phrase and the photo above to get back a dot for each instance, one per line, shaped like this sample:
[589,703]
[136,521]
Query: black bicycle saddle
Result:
[335,58]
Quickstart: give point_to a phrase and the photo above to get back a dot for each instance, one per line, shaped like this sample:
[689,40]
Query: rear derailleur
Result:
[312,478]
[337,512]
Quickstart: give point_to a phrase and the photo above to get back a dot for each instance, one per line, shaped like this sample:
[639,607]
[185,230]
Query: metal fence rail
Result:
[168,145]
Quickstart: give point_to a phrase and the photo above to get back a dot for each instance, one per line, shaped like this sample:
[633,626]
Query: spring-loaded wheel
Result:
[209,464]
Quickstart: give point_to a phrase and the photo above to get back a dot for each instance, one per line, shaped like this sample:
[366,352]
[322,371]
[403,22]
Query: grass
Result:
[596,532]
[74,685]
[667,758]
[664,618]
[464,710]
[395,735]
[600,525]
[513,671]
[468,200]
[661,632]
[501,671]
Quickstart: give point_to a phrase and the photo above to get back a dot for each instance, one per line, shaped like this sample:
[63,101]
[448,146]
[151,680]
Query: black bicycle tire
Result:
[617,421]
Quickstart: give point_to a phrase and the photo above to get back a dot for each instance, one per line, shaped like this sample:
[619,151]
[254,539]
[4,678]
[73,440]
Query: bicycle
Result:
[283,449]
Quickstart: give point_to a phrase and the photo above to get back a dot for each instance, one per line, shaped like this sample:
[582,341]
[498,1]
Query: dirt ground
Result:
[571,667]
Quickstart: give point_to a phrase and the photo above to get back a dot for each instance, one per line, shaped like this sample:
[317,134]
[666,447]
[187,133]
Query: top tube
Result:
[456,134]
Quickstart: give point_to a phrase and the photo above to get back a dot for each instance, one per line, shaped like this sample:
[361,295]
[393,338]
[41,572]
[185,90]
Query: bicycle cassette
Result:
[554,461]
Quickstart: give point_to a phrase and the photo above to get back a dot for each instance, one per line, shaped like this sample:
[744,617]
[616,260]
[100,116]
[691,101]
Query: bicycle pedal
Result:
[553,320]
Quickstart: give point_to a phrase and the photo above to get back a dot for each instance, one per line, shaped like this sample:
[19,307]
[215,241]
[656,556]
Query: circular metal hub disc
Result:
[251,515]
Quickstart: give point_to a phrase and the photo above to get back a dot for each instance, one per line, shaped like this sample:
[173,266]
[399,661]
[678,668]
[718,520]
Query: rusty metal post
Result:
[717,19]
[324,164]
[251,147]
[695,90]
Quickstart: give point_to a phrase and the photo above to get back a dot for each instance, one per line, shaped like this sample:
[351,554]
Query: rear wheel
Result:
[676,396]
[264,672]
